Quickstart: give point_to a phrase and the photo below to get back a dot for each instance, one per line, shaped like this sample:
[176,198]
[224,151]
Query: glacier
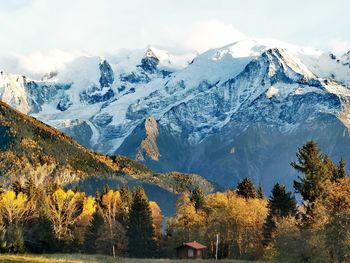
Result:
[234,111]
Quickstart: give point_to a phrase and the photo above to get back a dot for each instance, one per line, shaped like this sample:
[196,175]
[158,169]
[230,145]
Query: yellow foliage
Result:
[157,218]
[238,221]
[64,211]
[14,208]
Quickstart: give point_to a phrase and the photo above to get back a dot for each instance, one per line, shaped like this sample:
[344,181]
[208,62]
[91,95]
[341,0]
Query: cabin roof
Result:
[194,245]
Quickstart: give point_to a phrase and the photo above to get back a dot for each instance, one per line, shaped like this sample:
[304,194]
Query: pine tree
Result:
[316,169]
[281,204]
[246,188]
[141,232]
[92,236]
[197,198]
[39,237]
[126,196]
[260,192]
[341,170]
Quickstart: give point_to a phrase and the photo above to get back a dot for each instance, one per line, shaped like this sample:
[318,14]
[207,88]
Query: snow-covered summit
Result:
[110,96]
[205,107]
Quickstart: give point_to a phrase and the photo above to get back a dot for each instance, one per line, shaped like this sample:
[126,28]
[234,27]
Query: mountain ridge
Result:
[222,92]
[30,149]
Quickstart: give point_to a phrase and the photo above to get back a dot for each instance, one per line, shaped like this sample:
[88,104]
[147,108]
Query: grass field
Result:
[78,258]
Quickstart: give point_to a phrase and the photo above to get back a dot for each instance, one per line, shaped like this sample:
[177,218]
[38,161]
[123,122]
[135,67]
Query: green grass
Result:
[79,258]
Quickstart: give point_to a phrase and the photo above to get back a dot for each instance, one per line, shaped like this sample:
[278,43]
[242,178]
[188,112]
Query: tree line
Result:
[49,219]
[122,222]
[250,226]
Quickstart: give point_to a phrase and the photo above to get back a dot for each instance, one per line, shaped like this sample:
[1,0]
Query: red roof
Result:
[194,245]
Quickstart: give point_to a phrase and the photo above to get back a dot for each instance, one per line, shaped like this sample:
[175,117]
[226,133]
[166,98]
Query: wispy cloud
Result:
[199,36]
[340,46]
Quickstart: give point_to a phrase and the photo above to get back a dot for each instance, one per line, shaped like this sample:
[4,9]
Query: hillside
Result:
[30,148]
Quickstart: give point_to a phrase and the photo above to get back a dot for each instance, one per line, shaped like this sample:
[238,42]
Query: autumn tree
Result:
[14,211]
[64,209]
[238,221]
[84,220]
[157,219]
[141,232]
[110,206]
[337,227]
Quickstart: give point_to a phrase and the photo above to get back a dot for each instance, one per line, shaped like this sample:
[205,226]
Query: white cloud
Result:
[340,46]
[211,34]
[199,36]
[36,64]
[41,62]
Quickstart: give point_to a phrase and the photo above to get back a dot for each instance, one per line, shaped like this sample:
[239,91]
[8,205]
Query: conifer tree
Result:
[197,198]
[341,169]
[246,188]
[141,232]
[281,204]
[316,168]
[39,237]
[93,234]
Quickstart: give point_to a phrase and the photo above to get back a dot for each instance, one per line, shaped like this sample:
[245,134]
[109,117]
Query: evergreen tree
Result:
[341,170]
[93,234]
[141,232]
[126,196]
[281,204]
[316,168]
[246,188]
[38,236]
[197,198]
[260,192]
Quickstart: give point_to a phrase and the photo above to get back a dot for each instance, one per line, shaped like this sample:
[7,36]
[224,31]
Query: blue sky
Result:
[28,26]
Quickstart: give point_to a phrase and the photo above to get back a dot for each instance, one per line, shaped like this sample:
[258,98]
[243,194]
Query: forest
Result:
[48,218]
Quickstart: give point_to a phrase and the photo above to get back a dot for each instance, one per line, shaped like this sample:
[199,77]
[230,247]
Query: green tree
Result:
[260,192]
[93,234]
[341,170]
[141,232]
[316,169]
[281,204]
[197,198]
[39,237]
[126,197]
[246,188]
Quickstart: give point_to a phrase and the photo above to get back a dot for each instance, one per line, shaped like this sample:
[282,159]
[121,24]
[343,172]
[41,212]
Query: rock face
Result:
[148,145]
[236,111]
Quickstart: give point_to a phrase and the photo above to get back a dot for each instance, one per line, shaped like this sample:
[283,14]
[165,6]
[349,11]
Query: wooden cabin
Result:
[190,250]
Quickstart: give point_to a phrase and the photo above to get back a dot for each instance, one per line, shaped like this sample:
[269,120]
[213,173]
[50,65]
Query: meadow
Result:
[78,258]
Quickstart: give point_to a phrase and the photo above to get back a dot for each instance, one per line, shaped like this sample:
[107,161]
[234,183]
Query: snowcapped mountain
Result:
[230,112]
